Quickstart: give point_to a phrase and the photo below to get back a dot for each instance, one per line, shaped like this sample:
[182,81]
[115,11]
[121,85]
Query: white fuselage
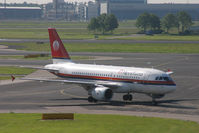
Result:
[131,79]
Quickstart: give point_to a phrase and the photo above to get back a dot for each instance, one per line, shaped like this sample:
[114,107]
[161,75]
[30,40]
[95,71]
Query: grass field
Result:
[9,77]
[5,78]
[163,37]
[76,33]
[57,24]
[32,123]
[43,33]
[67,30]
[64,33]
[41,24]
[15,70]
[41,58]
[136,48]
[8,70]
[77,30]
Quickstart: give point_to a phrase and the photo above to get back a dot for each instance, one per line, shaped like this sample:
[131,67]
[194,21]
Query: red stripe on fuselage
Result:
[115,79]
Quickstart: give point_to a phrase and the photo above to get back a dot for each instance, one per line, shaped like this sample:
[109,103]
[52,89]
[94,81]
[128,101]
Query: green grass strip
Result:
[31,123]
[8,77]
[162,38]
[42,58]
[131,48]
[78,30]
[71,33]
[5,78]
[15,70]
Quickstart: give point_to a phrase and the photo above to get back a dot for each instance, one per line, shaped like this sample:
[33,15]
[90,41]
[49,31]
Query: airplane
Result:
[102,81]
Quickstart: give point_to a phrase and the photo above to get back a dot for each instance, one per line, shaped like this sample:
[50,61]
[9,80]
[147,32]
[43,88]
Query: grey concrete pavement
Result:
[53,97]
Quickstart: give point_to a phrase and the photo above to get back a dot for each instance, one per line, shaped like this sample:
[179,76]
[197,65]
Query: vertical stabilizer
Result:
[58,51]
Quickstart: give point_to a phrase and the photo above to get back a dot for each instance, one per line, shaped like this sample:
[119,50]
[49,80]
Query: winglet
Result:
[13,78]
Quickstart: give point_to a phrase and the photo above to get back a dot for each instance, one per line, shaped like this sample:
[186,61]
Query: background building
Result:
[82,11]
[131,9]
[55,10]
[122,9]
[60,10]
[20,13]
[93,10]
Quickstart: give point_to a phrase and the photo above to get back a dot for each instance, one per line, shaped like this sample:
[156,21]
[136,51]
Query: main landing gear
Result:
[91,99]
[154,102]
[128,97]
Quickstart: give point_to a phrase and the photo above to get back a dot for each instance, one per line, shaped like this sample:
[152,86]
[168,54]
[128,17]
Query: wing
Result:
[79,82]
[84,82]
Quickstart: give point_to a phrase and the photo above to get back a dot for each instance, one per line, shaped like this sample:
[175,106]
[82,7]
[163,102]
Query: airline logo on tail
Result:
[56,45]
[57,48]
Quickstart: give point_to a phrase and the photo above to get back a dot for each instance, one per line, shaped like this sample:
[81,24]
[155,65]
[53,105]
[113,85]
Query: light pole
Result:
[4,3]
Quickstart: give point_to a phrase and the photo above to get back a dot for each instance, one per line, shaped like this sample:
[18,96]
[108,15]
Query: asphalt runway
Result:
[55,97]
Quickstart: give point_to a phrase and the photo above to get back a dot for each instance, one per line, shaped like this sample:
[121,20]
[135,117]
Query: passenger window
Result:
[160,78]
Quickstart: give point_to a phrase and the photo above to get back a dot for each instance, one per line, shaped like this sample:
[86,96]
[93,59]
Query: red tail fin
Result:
[57,48]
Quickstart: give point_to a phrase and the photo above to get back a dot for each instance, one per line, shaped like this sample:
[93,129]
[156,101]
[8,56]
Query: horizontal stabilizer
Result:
[41,68]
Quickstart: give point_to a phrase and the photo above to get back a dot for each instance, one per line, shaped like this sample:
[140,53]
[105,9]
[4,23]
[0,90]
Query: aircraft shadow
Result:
[73,99]
[161,103]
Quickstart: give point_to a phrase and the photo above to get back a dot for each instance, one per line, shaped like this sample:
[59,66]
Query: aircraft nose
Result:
[173,87]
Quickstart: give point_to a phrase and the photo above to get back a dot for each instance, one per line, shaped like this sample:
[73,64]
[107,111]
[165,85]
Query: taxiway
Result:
[53,97]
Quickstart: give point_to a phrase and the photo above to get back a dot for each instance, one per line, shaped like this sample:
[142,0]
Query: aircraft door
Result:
[146,77]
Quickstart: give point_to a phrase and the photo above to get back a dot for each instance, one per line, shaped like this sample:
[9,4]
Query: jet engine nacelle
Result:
[102,93]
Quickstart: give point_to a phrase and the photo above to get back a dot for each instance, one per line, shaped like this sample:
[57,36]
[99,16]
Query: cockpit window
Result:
[166,78]
[162,78]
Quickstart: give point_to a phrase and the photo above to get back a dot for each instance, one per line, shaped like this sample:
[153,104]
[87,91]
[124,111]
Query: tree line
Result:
[103,23]
[181,20]
[146,21]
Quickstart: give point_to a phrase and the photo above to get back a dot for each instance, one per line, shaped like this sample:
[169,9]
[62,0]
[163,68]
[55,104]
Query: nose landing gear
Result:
[154,97]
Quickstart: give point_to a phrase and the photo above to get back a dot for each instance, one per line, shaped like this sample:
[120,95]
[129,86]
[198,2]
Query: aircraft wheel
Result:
[128,97]
[154,102]
[94,100]
[91,99]
[125,97]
